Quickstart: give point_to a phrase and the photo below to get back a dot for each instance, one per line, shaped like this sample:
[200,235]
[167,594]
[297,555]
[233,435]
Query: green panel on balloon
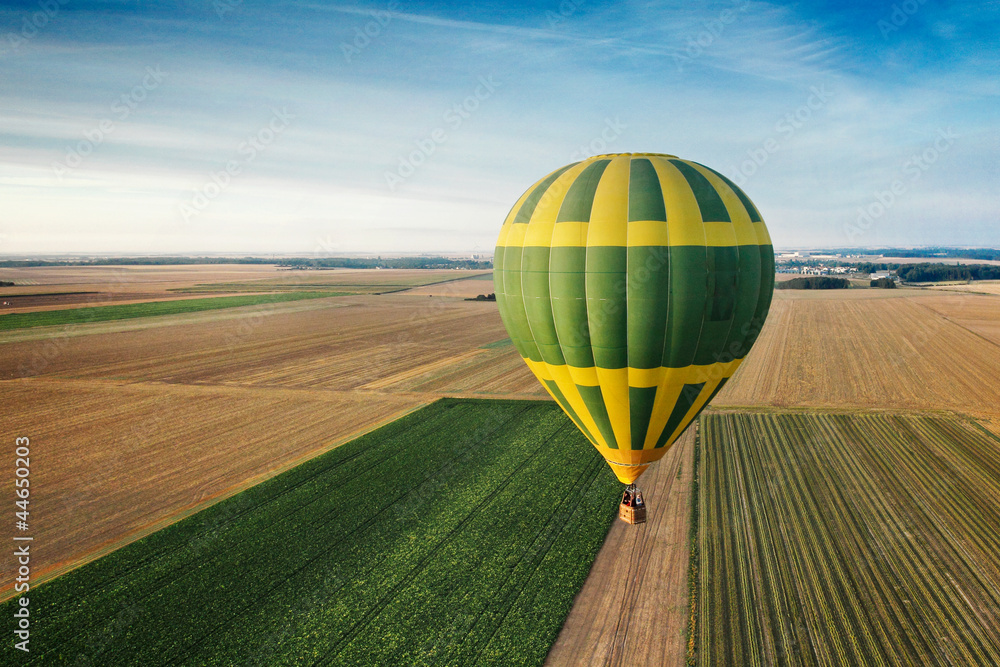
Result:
[594,400]
[537,306]
[645,199]
[607,312]
[709,201]
[720,305]
[517,325]
[567,408]
[580,196]
[648,304]
[689,394]
[640,401]
[568,291]
[686,309]
[747,204]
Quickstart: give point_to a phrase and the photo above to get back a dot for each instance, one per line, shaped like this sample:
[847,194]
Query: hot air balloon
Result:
[633,285]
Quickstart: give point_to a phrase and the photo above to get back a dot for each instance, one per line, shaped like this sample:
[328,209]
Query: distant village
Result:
[818,264]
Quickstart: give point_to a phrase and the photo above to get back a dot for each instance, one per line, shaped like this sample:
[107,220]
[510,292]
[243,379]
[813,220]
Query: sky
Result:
[313,128]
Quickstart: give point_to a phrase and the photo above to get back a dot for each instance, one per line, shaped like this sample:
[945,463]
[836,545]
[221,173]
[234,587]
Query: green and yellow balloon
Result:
[633,285]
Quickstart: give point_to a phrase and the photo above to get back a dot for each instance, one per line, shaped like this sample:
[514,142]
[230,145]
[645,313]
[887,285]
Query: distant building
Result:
[881,274]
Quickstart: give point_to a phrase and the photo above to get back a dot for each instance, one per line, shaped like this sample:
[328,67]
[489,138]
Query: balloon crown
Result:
[610,155]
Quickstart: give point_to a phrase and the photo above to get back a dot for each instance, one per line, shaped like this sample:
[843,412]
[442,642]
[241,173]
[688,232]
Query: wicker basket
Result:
[632,515]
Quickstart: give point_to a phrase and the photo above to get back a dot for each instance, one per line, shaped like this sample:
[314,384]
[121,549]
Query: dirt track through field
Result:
[633,608]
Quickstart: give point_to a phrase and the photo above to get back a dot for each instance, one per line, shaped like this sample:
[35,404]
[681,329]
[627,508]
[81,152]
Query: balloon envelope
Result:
[633,285]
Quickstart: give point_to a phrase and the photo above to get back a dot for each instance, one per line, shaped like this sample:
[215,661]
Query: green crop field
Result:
[458,534]
[148,309]
[846,540]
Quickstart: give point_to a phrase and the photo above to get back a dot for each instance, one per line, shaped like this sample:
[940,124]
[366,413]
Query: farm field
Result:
[458,534]
[128,278]
[469,288]
[54,288]
[977,287]
[874,349]
[356,281]
[23,320]
[115,460]
[847,539]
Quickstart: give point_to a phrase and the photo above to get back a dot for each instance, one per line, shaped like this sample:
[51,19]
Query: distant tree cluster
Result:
[6,283]
[872,267]
[991,254]
[813,282]
[294,262]
[932,273]
[388,263]
[485,297]
[140,261]
[884,283]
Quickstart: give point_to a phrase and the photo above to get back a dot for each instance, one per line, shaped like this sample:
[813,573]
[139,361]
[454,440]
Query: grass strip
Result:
[150,309]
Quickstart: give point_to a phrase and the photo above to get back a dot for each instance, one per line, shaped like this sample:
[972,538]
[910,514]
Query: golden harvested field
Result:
[117,279]
[388,343]
[55,288]
[359,281]
[58,287]
[113,460]
[469,288]
[977,287]
[874,349]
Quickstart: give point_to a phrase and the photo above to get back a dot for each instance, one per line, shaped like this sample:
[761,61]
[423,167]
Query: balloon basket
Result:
[632,509]
[632,515]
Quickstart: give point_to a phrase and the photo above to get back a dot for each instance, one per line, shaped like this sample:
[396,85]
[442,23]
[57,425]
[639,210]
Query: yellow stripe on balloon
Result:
[684,223]
[609,212]
[741,225]
[614,389]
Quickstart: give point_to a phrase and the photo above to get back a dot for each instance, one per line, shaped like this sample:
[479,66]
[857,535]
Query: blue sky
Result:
[315,128]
